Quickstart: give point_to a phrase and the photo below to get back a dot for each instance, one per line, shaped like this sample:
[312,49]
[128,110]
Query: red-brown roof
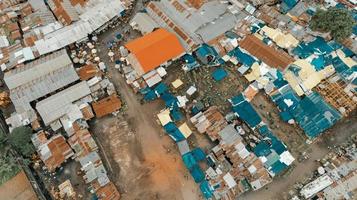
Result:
[107,105]
[82,142]
[155,48]
[108,192]
[60,151]
[88,71]
[269,55]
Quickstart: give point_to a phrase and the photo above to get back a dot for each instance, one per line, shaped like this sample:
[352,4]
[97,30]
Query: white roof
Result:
[316,186]
[228,178]
[3,41]
[191,90]
[56,106]
[286,158]
[153,80]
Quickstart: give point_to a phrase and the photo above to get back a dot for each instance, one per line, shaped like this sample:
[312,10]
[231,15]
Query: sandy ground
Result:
[144,162]
[17,188]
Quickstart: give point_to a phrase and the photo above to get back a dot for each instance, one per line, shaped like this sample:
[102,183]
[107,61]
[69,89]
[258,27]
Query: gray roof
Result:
[298,9]
[190,19]
[144,22]
[57,105]
[183,147]
[212,30]
[37,69]
[39,78]
[229,135]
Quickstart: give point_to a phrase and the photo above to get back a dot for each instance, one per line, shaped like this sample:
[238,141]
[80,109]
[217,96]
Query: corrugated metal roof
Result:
[39,78]
[144,23]
[96,14]
[57,105]
[223,24]
[37,69]
[154,49]
[267,54]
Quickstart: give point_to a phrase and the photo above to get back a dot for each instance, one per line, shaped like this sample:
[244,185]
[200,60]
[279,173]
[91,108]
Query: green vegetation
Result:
[8,166]
[338,22]
[20,140]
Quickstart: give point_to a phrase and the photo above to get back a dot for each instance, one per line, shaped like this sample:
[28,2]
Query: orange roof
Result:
[155,48]
[107,105]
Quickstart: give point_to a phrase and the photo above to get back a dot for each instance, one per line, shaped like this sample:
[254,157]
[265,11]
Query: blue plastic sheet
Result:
[219,74]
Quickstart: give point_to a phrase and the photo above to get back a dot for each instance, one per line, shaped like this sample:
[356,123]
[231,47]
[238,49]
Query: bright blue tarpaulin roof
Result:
[174,132]
[245,111]
[219,74]
[206,190]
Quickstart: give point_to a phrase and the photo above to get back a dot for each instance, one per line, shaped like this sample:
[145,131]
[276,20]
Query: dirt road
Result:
[280,187]
[144,161]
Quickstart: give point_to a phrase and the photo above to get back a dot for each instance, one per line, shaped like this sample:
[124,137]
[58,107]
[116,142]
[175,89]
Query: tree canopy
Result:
[20,139]
[339,22]
[8,167]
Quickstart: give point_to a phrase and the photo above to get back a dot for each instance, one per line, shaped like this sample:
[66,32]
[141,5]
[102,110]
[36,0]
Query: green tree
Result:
[20,140]
[337,21]
[8,166]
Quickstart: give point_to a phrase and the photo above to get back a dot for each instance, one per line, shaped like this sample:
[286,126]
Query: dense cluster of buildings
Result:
[276,50]
[49,92]
[30,29]
[311,79]
[337,177]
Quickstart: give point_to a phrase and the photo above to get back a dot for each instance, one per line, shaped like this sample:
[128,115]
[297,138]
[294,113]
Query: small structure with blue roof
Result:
[245,111]
[207,55]
[219,74]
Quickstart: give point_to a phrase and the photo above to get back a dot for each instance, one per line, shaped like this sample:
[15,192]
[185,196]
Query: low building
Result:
[303,77]
[94,170]
[82,143]
[285,41]
[193,23]
[92,17]
[269,55]
[152,50]
[107,105]
[338,93]
[143,23]
[61,104]
[54,151]
[36,80]
[210,122]
[88,71]
[108,192]
[316,186]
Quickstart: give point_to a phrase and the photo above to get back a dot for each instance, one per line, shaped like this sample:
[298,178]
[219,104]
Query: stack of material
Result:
[83,143]
[4,99]
[217,121]
[245,164]
[211,122]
